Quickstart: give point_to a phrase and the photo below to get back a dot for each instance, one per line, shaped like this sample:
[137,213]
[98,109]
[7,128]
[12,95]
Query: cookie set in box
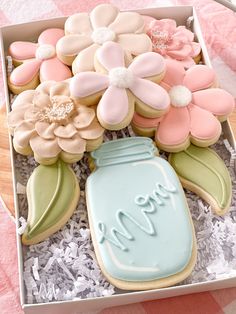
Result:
[96,103]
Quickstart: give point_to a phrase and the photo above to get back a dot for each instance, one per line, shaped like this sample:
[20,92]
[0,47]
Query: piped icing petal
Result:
[136,44]
[93,132]
[147,65]
[216,100]
[74,145]
[41,100]
[84,117]
[127,22]
[192,81]
[23,50]
[111,55]
[51,36]
[175,127]
[67,131]
[54,69]
[167,25]
[150,93]
[45,148]
[24,73]
[113,106]
[23,132]
[45,87]
[78,24]
[88,83]
[204,126]
[181,53]
[103,15]
[174,74]
[60,88]
[183,34]
[23,99]
[45,129]
[15,117]
[196,49]
[85,59]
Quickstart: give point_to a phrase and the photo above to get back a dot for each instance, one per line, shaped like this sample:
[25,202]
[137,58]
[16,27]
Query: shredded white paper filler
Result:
[64,266]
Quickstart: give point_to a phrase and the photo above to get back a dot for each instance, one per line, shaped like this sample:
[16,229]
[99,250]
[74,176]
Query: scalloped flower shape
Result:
[49,123]
[172,41]
[119,89]
[85,33]
[37,60]
[195,112]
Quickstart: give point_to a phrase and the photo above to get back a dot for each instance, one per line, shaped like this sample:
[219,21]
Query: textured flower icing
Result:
[48,122]
[172,41]
[38,59]
[122,88]
[85,33]
[195,112]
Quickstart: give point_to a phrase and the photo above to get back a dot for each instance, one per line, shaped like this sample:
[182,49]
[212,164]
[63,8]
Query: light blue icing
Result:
[138,211]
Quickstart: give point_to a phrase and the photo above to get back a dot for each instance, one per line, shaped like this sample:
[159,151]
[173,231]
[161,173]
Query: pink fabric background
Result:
[219,29]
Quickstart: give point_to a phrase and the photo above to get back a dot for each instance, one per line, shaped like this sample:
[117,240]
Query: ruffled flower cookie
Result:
[172,41]
[85,33]
[37,62]
[195,112]
[119,89]
[47,122]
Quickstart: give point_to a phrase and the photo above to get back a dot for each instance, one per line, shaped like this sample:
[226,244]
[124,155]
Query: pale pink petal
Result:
[127,22]
[25,73]
[84,117]
[45,148]
[67,131]
[53,69]
[204,126]
[151,94]
[174,73]
[71,45]
[183,34]
[187,62]
[216,100]
[113,106]
[78,24]
[88,83]
[148,64]
[23,132]
[136,44]
[93,131]
[196,49]
[164,25]
[199,77]
[175,127]
[22,50]
[103,15]
[74,145]
[51,36]
[111,55]
[184,52]
[45,129]
[144,122]
[85,59]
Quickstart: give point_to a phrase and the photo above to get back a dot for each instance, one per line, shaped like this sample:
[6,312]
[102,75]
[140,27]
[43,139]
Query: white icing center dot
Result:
[103,34]
[45,51]
[121,77]
[180,96]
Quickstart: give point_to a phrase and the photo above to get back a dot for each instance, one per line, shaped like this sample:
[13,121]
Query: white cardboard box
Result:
[30,32]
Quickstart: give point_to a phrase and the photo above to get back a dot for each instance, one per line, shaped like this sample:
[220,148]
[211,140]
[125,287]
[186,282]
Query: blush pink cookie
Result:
[49,124]
[119,89]
[37,62]
[195,112]
[172,41]
[85,33]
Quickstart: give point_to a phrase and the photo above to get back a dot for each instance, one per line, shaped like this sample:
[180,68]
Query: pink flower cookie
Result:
[37,62]
[195,113]
[172,41]
[47,122]
[119,88]
[85,33]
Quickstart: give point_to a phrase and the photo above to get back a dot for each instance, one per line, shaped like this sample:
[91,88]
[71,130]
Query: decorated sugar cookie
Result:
[119,87]
[172,41]
[49,124]
[140,223]
[197,108]
[37,62]
[50,205]
[85,33]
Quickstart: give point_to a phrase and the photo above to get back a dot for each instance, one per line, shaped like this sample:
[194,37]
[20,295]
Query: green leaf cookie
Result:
[203,172]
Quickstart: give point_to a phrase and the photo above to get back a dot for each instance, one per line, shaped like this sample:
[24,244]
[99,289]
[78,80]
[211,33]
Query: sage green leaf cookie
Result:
[53,193]
[202,171]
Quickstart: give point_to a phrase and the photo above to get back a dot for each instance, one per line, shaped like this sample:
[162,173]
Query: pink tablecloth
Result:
[216,22]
